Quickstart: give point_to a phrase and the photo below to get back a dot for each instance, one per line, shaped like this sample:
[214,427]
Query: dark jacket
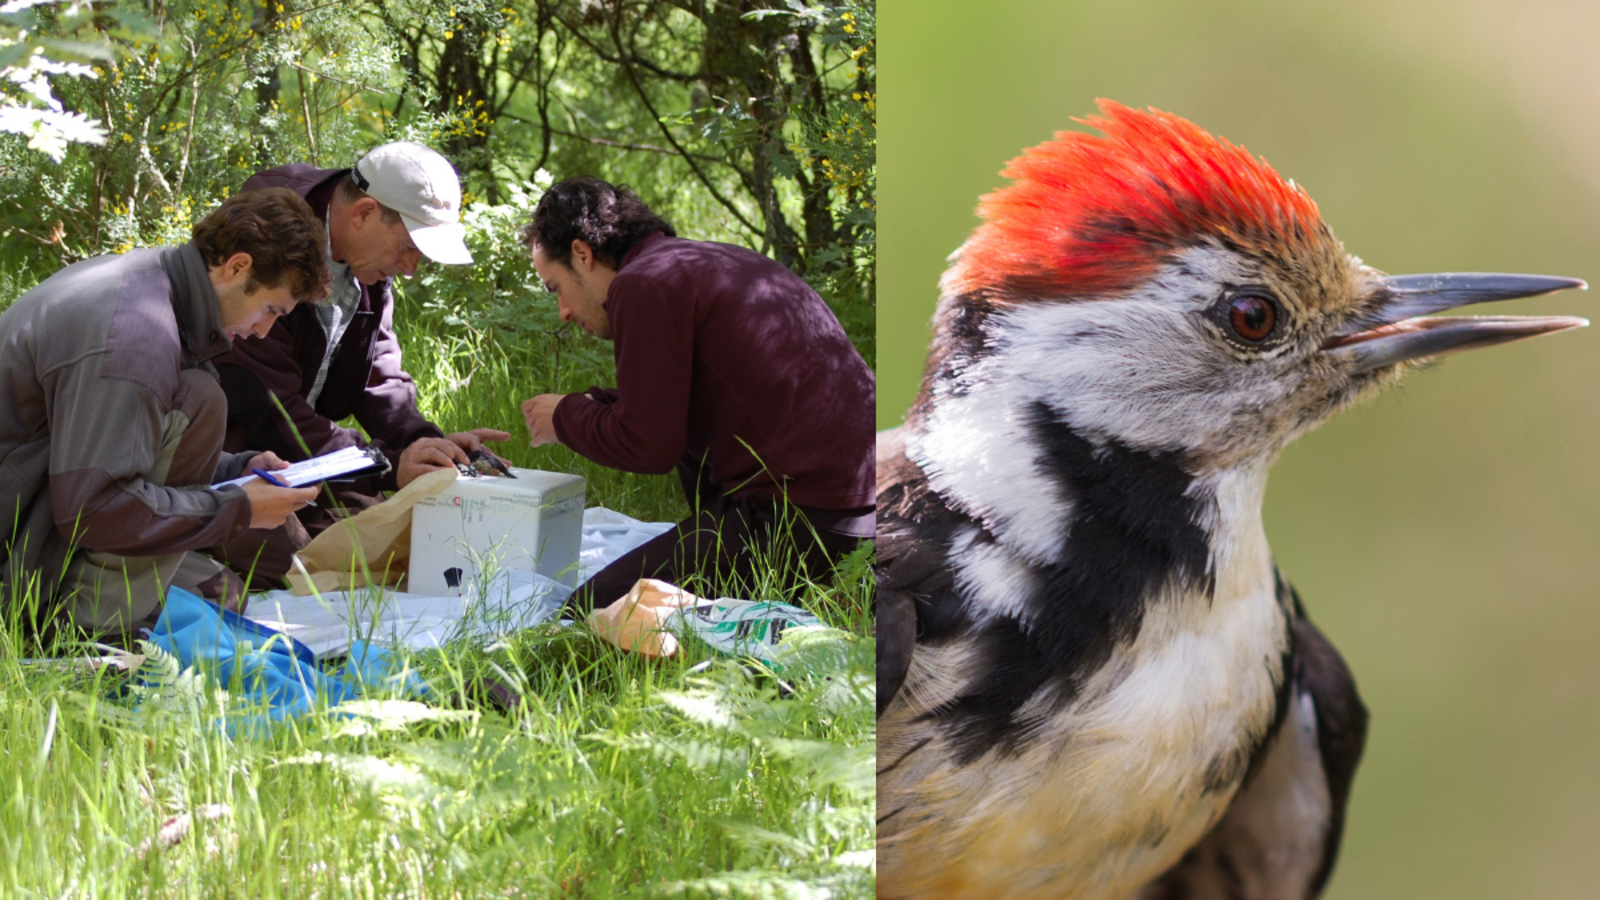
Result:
[89,369]
[365,381]
[724,355]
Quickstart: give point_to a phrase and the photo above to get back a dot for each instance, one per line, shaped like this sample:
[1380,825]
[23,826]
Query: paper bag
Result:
[638,621]
[371,548]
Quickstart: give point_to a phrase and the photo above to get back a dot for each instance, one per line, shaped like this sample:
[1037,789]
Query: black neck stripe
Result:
[1134,529]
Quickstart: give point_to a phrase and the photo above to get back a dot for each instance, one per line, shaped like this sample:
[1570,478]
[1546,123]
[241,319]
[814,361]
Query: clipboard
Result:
[340,465]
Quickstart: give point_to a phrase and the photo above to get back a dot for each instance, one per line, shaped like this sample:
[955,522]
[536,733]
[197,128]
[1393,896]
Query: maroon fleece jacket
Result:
[725,355]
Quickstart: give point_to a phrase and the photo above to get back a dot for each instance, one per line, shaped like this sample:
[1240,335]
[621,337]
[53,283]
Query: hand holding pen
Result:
[271,501]
[269,478]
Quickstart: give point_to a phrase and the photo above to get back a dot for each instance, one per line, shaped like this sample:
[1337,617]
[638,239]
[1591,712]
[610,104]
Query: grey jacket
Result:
[89,365]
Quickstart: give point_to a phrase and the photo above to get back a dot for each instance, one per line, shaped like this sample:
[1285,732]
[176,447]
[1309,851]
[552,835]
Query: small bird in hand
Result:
[1093,681]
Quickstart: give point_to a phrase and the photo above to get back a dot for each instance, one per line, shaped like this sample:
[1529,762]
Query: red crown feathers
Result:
[1088,214]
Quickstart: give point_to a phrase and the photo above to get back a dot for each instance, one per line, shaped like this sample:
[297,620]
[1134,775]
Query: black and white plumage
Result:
[1093,682]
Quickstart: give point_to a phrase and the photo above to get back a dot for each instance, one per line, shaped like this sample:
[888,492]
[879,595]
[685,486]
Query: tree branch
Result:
[633,78]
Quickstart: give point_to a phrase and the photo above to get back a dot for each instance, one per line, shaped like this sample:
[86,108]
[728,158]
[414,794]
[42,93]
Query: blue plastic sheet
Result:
[269,675]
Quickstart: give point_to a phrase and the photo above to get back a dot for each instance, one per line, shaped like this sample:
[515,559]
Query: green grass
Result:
[620,775]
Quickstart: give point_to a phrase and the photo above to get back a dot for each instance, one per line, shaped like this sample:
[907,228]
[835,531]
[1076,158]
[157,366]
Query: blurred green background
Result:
[1447,536]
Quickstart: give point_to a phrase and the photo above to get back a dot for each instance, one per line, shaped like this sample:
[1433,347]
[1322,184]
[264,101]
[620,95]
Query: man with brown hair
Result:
[289,392]
[111,417]
[731,370]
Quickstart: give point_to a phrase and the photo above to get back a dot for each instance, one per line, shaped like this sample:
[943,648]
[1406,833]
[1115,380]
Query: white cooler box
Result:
[480,525]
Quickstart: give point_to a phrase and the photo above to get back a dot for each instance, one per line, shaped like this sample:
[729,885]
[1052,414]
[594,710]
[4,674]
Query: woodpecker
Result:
[1093,681]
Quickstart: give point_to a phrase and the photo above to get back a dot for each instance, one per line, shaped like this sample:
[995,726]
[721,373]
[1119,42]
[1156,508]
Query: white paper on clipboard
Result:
[339,463]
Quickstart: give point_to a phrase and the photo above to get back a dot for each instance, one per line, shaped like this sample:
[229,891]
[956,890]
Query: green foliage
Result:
[752,127]
[844,143]
[499,293]
[39,41]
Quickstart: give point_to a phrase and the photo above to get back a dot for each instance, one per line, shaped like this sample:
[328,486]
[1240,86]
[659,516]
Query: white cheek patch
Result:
[1124,371]
[993,579]
[978,451]
[1140,371]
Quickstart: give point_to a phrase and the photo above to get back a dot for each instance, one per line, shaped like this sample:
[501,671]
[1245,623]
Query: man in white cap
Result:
[321,364]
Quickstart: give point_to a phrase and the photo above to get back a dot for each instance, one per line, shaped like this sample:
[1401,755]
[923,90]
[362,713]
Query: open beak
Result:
[1401,328]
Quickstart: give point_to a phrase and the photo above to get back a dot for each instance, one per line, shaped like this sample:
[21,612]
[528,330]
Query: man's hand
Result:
[266,462]
[427,455]
[539,413]
[473,440]
[272,506]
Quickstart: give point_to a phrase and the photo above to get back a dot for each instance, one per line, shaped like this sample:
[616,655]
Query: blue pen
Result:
[269,479]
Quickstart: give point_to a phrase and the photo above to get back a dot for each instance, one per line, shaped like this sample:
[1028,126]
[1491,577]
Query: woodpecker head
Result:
[1160,289]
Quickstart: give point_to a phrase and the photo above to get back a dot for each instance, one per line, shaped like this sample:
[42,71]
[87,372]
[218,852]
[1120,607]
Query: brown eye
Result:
[1252,318]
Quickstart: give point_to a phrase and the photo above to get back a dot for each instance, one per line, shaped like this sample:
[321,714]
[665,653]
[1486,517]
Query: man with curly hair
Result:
[112,417]
[731,371]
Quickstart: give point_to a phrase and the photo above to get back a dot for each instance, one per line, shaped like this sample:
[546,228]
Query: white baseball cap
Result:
[422,187]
